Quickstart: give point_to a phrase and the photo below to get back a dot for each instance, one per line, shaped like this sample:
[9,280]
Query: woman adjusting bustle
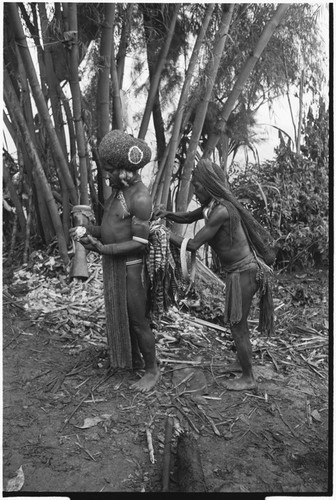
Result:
[122,238]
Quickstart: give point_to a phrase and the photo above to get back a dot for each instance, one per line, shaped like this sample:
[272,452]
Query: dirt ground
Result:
[72,425]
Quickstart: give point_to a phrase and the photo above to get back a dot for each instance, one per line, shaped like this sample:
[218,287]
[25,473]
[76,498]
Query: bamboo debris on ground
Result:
[284,421]
[76,311]
[99,383]
[208,324]
[212,423]
[185,415]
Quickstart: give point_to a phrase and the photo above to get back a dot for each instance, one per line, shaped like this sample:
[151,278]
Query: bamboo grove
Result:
[207,67]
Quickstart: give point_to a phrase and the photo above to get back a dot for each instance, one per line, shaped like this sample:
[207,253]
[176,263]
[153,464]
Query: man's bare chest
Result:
[117,208]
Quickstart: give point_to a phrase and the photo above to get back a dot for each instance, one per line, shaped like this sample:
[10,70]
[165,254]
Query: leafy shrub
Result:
[290,196]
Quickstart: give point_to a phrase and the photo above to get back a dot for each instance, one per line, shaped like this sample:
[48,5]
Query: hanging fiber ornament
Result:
[119,150]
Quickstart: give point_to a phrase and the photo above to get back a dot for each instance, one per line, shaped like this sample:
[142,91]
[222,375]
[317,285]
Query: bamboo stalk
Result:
[157,76]
[13,237]
[28,226]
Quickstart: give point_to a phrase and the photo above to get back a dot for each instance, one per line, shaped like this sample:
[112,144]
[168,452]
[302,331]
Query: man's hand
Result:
[92,244]
[72,232]
[160,212]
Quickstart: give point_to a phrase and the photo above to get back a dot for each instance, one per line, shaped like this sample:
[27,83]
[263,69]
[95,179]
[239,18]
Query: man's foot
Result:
[231,368]
[147,382]
[240,384]
[138,364]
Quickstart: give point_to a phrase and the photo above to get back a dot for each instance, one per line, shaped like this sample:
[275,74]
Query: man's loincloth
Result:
[233,302]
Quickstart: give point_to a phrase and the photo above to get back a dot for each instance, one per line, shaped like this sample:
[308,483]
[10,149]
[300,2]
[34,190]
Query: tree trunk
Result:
[34,31]
[25,96]
[189,467]
[45,229]
[77,107]
[244,75]
[117,106]
[157,189]
[212,69]
[125,32]
[14,197]
[72,135]
[28,226]
[13,104]
[51,79]
[298,142]
[57,113]
[60,161]
[157,76]
[173,145]
[103,93]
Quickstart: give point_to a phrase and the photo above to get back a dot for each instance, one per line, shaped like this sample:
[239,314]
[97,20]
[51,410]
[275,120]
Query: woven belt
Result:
[133,262]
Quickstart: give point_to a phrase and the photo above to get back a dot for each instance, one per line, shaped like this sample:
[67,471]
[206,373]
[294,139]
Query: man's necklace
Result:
[207,210]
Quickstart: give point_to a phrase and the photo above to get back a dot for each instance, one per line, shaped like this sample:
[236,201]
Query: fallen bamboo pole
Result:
[167,454]
[189,468]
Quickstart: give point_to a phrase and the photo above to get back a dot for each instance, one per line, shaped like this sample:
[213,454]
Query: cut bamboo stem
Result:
[150,445]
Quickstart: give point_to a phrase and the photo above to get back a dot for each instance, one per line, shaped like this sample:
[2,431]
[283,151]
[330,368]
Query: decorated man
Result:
[241,244]
[122,239]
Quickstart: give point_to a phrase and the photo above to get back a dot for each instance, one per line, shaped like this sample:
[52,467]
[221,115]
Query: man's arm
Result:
[204,235]
[181,217]
[95,231]
[141,211]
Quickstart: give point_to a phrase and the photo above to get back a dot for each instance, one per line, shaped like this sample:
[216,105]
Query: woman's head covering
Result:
[212,177]
[119,150]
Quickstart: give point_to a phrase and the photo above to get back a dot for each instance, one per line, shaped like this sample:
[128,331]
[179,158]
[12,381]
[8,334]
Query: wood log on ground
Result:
[167,454]
[190,474]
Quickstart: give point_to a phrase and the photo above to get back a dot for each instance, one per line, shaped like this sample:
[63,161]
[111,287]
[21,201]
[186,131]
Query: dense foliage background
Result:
[189,79]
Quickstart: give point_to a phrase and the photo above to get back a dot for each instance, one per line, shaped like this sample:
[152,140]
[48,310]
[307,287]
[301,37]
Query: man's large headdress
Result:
[120,150]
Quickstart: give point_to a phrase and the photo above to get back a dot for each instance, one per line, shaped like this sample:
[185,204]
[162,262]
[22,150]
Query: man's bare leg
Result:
[140,329]
[244,351]
[241,336]
[152,371]
[137,359]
